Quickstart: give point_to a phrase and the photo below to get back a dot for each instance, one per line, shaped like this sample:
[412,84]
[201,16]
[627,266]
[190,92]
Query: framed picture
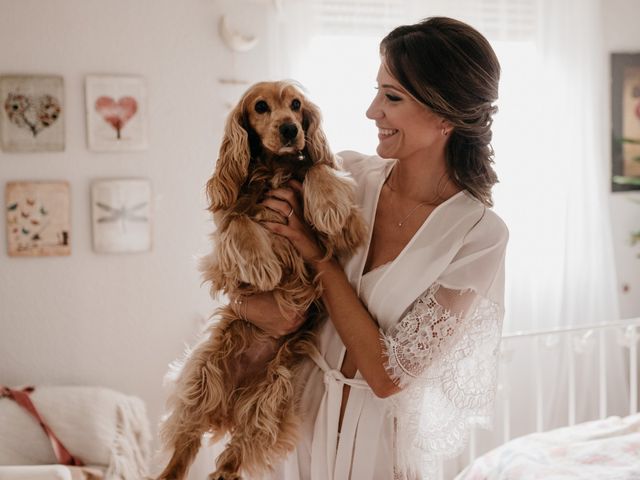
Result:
[116,113]
[625,121]
[121,212]
[32,113]
[38,218]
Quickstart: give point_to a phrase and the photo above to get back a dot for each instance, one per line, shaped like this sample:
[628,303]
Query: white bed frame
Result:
[574,342]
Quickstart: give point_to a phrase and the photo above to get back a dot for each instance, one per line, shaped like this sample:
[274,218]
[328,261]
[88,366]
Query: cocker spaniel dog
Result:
[238,380]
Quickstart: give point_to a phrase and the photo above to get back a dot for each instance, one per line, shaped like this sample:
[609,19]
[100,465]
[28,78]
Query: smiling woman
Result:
[415,317]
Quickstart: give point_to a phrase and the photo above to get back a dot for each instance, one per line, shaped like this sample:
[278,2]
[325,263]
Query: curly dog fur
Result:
[237,380]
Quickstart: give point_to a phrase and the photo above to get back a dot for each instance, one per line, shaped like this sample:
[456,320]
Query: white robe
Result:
[439,306]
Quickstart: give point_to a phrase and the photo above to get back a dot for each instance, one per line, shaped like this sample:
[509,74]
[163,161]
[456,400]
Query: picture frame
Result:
[625,122]
[32,113]
[38,218]
[121,215]
[117,114]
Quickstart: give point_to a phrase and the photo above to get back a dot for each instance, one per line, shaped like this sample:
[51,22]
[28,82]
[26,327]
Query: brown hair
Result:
[451,68]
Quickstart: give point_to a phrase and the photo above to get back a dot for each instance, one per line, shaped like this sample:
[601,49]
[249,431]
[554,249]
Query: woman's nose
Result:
[374,112]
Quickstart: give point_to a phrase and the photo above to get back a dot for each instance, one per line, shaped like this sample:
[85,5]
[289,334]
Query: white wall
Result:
[118,320]
[621,34]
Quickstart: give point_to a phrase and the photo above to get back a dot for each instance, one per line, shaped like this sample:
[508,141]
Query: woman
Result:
[408,358]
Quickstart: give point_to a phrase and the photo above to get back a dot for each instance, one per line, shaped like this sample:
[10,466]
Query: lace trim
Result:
[445,360]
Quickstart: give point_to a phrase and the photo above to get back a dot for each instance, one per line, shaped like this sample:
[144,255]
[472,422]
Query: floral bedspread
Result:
[603,449]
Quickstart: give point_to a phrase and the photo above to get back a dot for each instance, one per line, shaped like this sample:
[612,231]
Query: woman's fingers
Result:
[285,200]
[281,206]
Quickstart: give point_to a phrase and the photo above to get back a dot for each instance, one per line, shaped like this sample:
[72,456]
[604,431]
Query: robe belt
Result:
[334,376]
[325,436]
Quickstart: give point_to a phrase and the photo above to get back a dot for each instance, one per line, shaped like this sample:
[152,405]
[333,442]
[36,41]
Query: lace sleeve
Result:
[443,353]
[423,335]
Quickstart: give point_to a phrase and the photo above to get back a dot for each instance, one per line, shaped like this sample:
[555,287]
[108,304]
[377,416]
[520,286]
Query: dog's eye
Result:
[295,105]
[261,106]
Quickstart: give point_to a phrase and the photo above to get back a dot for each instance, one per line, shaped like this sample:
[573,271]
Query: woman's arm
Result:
[262,310]
[354,324]
[357,329]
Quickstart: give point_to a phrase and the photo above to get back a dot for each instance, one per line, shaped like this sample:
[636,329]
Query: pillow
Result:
[97,425]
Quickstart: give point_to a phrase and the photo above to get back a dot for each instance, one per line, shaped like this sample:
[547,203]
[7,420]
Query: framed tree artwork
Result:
[116,113]
[38,218]
[121,212]
[32,113]
[625,121]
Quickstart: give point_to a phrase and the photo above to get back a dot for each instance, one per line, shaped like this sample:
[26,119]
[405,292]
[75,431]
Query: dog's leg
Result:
[187,446]
[245,255]
[266,412]
[199,402]
[352,235]
[328,199]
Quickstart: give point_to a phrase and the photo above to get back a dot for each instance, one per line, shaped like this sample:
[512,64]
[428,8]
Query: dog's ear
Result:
[317,145]
[233,162]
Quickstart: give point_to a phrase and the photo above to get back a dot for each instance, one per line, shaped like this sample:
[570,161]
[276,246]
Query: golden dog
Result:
[238,380]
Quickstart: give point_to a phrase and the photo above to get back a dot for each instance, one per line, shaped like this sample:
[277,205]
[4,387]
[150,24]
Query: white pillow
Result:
[95,424]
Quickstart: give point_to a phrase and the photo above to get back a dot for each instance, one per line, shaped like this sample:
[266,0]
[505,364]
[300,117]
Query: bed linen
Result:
[603,449]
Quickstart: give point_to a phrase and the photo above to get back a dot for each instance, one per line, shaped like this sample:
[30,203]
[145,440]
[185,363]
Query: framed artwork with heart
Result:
[32,113]
[116,113]
[625,121]
[121,212]
[38,218]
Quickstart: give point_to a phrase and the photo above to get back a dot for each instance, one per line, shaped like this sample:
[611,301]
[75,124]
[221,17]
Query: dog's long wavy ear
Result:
[317,145]
[233,163]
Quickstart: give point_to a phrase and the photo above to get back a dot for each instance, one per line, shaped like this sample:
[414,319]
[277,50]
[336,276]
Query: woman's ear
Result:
[317,146]
[232,165]
[447,127]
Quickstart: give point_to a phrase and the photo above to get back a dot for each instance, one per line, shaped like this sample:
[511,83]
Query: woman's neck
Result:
[421,180]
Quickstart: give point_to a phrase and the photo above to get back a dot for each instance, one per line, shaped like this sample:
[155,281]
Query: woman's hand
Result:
[262,310]
[288,202]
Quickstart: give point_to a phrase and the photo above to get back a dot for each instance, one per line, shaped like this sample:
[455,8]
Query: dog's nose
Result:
[288,131]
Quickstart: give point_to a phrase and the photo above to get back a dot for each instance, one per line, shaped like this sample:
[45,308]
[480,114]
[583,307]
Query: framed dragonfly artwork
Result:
[121,215]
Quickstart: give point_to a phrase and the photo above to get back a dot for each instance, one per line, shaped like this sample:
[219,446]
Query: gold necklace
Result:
[427,202]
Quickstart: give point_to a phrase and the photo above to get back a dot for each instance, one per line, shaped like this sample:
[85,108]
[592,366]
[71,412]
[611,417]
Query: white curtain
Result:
[552,154]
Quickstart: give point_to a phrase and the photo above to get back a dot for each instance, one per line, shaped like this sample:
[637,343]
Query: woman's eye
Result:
[295,105]
[261,106]
[392,98]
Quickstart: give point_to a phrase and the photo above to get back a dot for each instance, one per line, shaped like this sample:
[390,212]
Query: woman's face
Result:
[406,127]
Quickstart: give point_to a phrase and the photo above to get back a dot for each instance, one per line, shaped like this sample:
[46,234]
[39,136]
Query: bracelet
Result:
[240,304]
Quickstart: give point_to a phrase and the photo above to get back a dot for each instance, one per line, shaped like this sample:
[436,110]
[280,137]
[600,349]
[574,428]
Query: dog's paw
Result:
[245,254]
[224,475]
[351,236]
[328,199]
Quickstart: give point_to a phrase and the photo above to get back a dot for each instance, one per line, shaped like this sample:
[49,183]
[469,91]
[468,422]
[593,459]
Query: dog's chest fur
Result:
[268,173]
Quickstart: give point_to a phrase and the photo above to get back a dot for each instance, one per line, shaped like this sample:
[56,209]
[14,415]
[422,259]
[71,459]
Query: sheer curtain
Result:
[550,140]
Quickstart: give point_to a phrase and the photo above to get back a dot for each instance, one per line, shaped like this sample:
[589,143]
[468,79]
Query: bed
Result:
[595,441]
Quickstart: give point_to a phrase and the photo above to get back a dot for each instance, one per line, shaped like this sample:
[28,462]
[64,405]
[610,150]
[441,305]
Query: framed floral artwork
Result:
[625,121]
[38,218]
[32,113]
[121,215]
[116,113]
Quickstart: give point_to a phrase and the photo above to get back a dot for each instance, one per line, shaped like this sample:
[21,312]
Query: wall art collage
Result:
[38,213]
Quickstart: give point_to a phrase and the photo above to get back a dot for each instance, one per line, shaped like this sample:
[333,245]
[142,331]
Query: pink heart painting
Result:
[33,112]
[117,114]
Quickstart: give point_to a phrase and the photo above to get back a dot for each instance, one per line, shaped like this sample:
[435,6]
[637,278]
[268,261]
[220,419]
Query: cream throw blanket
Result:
[100,426]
